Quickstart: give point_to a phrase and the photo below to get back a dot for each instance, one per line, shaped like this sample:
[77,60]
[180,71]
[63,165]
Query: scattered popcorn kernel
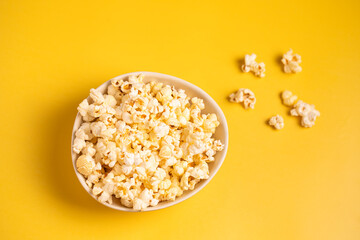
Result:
[307,112]
[249,61]
[245,96]
[259,69]
[251,65]
[277,122]
[145,142]
[288,98]
[291,62]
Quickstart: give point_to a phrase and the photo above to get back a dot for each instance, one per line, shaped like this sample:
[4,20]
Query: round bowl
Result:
[192,91]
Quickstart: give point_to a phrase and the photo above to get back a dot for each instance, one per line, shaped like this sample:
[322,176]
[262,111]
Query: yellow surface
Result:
[291,184]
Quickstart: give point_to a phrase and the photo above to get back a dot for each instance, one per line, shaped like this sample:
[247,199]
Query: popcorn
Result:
[126,87]
[97,190]
[200,172]
[165,184]
[165,152]
[307,112]
[96,111]
[180,167]
[218,146]
[113,91]
[210,123]
[126,169]
[277,122]
[89,149]
[108,132]
[96,96]
[288,98]
[249,61]
[245,96]
[129,159]
[259,69]
[105,197]
[164,94]
[126,202]
[97,128]
[184,183]
[84,132]
[78,145]
[291,62]
[127,118]
[110,100]
[116,82]
[85,165]
[145,142]
[198,102]
[161,130]
[170,161]
[251,65]
[83,108]
[210,153]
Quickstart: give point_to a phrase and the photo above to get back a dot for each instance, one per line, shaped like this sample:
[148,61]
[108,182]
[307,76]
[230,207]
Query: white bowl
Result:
[192,91]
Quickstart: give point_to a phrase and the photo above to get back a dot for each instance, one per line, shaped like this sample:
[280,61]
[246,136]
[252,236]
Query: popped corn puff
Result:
[245,96]
[251,65]
[288,98]
[277,122]
[307,112]
[144,142]
[291,62]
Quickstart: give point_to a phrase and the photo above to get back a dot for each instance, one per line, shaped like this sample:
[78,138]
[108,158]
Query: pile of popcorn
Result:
[144,142]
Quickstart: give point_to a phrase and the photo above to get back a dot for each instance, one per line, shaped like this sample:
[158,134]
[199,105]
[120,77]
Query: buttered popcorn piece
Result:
[251,65]
[96,96]
[245,96]
[145,142]
[307,112]
[288,98]
[291,62]
[277,122]
[85,165]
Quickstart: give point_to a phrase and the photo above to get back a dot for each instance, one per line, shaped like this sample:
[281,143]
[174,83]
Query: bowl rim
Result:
[220,114]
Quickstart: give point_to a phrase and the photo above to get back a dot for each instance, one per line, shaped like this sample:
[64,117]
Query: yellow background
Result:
[291,184]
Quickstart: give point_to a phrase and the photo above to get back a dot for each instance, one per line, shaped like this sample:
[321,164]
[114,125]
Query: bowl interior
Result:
[192,91]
